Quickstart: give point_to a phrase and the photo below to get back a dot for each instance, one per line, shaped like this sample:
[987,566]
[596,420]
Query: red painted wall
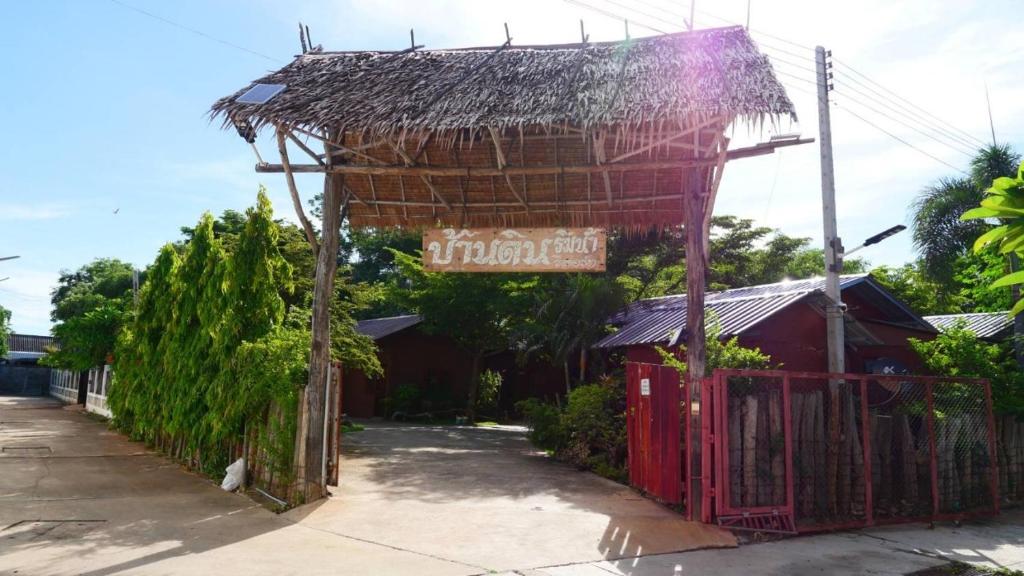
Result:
[795,337]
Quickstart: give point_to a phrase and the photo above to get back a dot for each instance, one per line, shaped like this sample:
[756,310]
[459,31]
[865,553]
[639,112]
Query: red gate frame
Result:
[715,453]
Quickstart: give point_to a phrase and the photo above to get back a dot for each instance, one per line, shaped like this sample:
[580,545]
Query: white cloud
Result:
[26,293]
[40,211]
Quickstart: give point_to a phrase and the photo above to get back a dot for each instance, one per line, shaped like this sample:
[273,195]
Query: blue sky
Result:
[104,109]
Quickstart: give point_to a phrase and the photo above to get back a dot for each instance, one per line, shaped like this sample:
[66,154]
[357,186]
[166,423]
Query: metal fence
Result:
[801,451]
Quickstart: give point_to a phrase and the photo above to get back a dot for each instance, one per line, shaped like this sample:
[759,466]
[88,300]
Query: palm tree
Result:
[939,234]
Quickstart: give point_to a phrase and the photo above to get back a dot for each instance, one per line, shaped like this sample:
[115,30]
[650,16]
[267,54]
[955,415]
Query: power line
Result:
[968,153]
[909,103]
[897,138]
[196,32]
[898,108]
[937,134]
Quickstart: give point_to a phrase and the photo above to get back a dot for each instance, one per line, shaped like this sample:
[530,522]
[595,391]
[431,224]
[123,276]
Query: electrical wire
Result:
[196,32]
[951,144]
[970,141]
[897,138]
[909,103]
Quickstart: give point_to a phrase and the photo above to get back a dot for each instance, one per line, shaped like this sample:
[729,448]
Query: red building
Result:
[785,320]
[438,369]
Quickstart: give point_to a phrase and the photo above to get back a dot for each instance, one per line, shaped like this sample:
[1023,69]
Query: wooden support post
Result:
[320,353]
[694,198]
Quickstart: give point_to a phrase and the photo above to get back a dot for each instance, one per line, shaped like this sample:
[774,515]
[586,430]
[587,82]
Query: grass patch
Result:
[486,424]
[352,427]
[964,569]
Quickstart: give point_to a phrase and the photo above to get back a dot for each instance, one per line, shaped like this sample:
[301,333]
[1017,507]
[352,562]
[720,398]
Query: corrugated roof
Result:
[994,325]
[378,328]
[661,319]
[30,343]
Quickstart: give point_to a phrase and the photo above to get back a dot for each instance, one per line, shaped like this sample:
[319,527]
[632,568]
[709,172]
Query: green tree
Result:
[5,330]
[721,353]
[940,235]
[958,352]
[1004,201]
[479,312]
[89,307]
[910,284]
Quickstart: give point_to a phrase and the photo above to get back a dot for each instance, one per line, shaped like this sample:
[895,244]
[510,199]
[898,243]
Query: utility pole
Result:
[833,268]
[833,245]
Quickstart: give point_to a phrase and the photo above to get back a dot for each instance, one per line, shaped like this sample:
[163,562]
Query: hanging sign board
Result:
[645,386]
[514,250]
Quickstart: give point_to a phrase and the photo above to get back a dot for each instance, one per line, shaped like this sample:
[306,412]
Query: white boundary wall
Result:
[99,385]
[64,385]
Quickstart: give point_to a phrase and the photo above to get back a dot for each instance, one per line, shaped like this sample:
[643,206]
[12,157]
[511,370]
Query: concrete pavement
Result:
[77,498]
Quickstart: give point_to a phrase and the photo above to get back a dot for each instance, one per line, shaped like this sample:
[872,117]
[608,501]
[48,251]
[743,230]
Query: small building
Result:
[437,369]
[20,371]
[991,326]
[786,320]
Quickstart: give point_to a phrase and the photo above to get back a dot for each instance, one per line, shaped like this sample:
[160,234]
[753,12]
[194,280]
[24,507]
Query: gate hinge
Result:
[711,438]
[711,491]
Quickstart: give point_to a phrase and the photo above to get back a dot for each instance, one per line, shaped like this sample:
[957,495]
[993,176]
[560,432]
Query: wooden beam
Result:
[662,141]
[306,149]
[484,171]
[293,190]
[650,198]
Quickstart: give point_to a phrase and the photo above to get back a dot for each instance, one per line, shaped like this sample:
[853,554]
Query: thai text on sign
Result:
[514,250]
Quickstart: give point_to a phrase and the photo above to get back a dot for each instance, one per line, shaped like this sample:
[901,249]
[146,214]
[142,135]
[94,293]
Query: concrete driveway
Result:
[76,498]
[486,498]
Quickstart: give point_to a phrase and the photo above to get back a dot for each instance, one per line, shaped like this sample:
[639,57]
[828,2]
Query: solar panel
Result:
[260,93]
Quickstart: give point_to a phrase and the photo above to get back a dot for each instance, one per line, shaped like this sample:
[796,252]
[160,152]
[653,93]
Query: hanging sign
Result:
[514,250]
[645,386]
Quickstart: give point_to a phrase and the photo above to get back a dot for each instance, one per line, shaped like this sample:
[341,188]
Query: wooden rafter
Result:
[479,171]
[307,227]
[659,141]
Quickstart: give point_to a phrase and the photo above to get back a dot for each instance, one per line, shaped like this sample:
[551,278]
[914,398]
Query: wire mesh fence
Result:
[832,450]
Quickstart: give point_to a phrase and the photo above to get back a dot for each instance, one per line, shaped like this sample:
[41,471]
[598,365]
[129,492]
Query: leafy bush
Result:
[488,391]
[545,422]
[958,352]
[721,354]
[589,433]
[594,420]
[405,399]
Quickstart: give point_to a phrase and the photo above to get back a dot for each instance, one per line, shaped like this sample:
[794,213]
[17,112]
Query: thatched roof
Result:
[666,78]
[571,135]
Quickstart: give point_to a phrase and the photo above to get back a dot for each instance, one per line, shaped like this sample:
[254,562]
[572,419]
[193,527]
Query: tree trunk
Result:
[583,365]
[474,386]
[568,381]
[320,353]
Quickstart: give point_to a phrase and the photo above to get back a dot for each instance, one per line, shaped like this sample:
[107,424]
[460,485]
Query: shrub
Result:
[406,398]
[488,390]
[590,433]
[545,422]
[594,420]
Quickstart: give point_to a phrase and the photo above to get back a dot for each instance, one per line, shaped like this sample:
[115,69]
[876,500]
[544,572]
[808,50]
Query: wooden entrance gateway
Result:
[626,136]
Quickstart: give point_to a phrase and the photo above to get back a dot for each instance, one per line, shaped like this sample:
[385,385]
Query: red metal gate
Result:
[652,425]
[803,451]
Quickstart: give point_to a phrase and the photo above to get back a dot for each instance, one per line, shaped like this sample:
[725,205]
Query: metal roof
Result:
[663,320]
[378,328]
[992,325]
[30,343]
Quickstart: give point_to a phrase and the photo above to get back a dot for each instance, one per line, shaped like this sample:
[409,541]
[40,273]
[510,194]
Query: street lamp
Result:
[875,239]
[9,258]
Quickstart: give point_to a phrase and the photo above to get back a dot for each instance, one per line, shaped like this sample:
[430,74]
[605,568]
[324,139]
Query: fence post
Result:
[865,420]
[993,454]
[929,396]
[787,431]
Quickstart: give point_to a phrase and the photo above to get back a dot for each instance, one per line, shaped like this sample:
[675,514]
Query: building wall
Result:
[28,379]
[432,363]
[795,337]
